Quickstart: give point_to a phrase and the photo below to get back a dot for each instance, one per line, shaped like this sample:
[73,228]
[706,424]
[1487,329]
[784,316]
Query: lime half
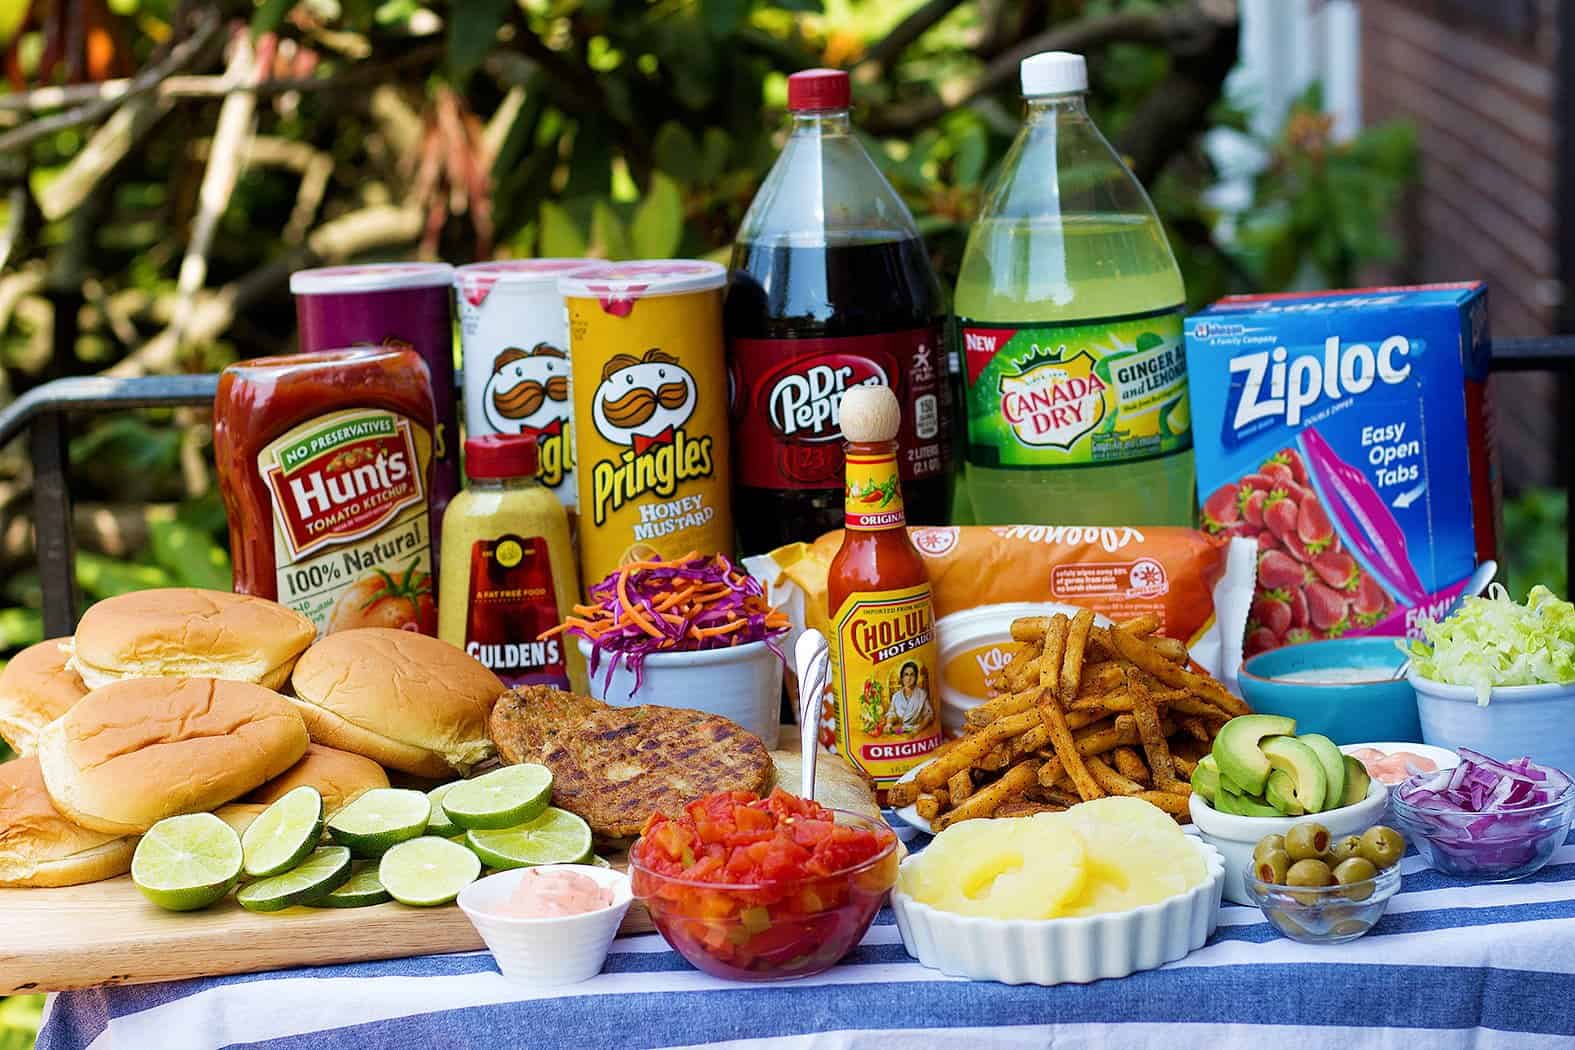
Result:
[379,819]
[361,890]
[502,798]
[188,862]
[427,871]
[439,823]
[555,837]
[600,862]
[284,833]
[327,868]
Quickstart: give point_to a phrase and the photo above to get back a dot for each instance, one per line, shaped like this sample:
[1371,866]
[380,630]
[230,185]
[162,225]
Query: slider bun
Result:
[132,753]
[184,632]
[36,688]
[408,701]
[339,776]
[39,847]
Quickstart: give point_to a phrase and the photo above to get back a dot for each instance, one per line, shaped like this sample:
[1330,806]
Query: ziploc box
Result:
[1349,432]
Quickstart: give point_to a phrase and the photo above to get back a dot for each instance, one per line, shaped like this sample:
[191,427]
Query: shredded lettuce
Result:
[1494,641]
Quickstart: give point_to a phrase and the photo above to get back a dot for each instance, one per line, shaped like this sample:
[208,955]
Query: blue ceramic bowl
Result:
[1343,711]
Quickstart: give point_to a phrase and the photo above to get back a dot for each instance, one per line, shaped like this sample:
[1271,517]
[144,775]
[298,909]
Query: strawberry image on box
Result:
[1350,433]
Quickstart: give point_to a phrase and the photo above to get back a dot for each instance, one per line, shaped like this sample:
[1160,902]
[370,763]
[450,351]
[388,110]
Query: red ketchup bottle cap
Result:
[819,89]
[501,456]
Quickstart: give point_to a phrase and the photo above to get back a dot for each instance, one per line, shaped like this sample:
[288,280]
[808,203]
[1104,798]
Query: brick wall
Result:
[1478,80]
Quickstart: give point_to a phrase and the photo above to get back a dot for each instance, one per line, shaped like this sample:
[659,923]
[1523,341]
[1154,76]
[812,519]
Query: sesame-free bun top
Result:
[339,776]
[40,847]
[186,632]
[132,753]
[36,688]
[408,701]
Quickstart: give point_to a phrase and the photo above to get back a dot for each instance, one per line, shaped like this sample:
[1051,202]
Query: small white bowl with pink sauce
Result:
[530,943]
[1390,762]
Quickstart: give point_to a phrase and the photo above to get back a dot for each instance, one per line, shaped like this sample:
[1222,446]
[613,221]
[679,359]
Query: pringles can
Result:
[515,341]
[650,409]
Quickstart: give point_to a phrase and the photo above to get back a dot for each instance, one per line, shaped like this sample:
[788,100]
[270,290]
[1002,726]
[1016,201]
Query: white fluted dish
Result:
[1063,951]
[559,950]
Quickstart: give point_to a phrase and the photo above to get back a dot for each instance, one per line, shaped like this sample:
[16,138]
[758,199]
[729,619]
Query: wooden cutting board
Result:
[52,940]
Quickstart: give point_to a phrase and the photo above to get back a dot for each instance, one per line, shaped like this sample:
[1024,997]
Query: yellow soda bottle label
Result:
[888,716]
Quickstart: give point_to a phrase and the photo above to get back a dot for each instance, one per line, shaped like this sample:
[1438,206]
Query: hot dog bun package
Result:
[985,576]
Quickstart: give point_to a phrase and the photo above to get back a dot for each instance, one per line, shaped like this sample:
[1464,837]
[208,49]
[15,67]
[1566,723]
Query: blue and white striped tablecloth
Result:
[1450,965]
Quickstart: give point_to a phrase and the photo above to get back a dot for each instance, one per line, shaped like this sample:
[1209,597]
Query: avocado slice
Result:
[1281,794]
[1206,778]
[1237,753]
[1301,762]
[1356,781]
[1333,767]
[1231,801]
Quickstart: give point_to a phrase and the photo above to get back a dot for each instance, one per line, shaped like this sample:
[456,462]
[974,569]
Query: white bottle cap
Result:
[1053,73]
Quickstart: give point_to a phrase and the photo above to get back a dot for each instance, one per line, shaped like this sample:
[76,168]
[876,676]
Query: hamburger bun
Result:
[132,753]
[239,815]
[184,632]
[339,776]
[39,847]
[405,700]
[36,688]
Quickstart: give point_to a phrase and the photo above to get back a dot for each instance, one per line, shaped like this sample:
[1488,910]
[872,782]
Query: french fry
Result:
[945,746]
[1071,675]
[1110,780]
[928,806]
[1054,720]
[1054,648]
[1172,649]
[1137,651]
[1120,701]
[1022,807]
[960,786]
[983,802]
[1129,765]
[1184,766]
[1030,628]
[968,752]
[1194,727]
[997,758]
[1182,702]
[1105,677]
[1146,713]
[1171,802]
[1140,626]
[1001,707]
[903,793]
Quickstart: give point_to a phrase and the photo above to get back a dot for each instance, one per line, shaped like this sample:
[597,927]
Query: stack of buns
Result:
[180,701]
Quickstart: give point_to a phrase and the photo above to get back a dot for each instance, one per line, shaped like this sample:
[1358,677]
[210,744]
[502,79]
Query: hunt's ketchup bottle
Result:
[831,289]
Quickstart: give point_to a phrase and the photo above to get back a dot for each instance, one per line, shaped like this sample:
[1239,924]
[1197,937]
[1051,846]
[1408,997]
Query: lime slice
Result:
[379,819]
[326,869]
[439,823]
[600,862]
[284,833]
[188,862]
[427,871]
[555,837]
[361,890]
[503,798]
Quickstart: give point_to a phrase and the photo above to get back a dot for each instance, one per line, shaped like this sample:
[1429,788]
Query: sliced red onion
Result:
[1478,812]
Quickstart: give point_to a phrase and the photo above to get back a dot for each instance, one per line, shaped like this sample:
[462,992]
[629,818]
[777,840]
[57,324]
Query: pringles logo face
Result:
[805,403]
[642,405]
[344,481]
[1055,399]
[529,391]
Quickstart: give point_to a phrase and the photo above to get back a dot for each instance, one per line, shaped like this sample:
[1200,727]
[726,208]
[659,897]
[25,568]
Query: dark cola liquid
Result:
[803,325]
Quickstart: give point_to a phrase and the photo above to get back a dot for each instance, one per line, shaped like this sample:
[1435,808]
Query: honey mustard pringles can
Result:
[649,385]
[514,339]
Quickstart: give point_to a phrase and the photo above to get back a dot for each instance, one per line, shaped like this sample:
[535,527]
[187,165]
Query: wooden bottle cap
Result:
[870,413]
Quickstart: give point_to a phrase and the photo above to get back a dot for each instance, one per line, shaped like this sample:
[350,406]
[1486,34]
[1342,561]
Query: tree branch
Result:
[894,43]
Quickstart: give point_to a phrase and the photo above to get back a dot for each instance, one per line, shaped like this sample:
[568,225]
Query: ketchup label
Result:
[512,601]
[872,499]
[885,680]
[351,533]
[787,397]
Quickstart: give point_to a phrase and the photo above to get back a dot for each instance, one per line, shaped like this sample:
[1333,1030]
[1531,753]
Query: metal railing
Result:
[44,412]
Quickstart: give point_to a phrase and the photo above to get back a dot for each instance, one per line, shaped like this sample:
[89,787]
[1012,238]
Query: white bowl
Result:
[1236,836]
[1517,720]
[743,683]
[1441,757]
[563,949]
[1062,951]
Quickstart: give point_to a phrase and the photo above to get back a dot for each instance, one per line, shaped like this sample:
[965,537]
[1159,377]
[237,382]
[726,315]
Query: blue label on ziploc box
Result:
[1349,433]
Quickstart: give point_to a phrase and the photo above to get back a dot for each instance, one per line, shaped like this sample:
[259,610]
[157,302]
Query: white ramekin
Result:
[1062,951]
[561,950]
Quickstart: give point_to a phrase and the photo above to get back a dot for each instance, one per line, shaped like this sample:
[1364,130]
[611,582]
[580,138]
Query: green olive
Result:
[1356,874]
[1309,873]
[1271,866]
[1307,841]
[1383,846]
[1268,844]
[1345,849]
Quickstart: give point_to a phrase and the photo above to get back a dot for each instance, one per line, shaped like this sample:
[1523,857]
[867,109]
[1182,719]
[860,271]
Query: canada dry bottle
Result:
[831,289]
[1069,307]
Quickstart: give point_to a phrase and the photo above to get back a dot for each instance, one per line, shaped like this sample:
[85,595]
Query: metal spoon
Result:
[812,656]
[1474,586]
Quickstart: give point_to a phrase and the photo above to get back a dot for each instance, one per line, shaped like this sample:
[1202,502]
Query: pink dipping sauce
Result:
[1392,768]
[550,893]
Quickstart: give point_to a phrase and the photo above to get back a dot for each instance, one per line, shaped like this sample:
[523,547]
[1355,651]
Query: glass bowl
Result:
[1324,914]
[770,931]
[1510,846]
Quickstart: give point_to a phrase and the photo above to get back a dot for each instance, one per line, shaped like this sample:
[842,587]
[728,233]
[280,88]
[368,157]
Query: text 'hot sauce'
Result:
[325,466]
[878,595]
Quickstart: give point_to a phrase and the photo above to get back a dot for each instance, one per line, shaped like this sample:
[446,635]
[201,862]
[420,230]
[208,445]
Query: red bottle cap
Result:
[501,456]
[819,89]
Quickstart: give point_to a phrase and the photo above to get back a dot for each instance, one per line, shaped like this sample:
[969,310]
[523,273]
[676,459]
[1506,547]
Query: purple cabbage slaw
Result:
[632,645]
[1490,813]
